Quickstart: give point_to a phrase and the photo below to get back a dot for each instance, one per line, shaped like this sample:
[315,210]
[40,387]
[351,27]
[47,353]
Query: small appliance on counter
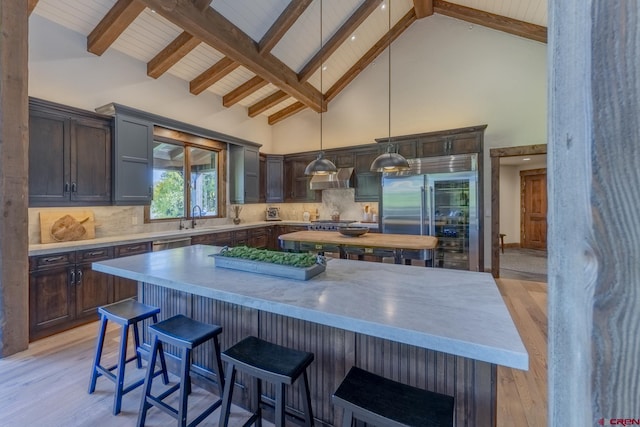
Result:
[273,214]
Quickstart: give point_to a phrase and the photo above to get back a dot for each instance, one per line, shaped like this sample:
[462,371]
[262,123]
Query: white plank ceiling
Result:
[150,33]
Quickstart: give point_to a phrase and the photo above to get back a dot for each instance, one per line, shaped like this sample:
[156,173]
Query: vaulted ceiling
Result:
[274,57]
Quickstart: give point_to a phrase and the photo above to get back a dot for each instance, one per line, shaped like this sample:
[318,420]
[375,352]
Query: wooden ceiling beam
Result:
[336,40]
[215,73]
[423,8]
[490,20]
[244,90]
[268,102]
[119,17]
[214,29]
[284,22]
[380,46]
[170,55]
[286,112]
[31,5]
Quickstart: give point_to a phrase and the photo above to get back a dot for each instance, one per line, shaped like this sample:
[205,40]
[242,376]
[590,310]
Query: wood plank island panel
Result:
[471,382]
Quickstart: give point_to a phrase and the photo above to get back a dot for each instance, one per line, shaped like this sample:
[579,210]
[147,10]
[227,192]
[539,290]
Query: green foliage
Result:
[168,196]
[275,257]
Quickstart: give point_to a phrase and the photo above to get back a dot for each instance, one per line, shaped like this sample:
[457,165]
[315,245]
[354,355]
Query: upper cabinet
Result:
[133,160]
[296,183]
[440,143]
[366,183]
[274,179]
[69,156]
[244,168]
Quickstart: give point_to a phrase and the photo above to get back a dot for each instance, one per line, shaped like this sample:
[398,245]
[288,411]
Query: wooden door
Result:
[533,217]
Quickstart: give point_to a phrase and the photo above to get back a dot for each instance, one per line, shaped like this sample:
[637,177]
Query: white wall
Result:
[445,74]
[61,70]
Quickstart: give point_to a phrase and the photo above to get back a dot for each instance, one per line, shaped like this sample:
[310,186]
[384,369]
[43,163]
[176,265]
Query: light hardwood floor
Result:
[46,385]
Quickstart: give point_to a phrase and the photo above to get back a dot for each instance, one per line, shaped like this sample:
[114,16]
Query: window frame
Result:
[187,140]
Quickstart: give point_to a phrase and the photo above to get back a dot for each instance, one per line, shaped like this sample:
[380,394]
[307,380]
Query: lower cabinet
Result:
[64,291]
[127,288]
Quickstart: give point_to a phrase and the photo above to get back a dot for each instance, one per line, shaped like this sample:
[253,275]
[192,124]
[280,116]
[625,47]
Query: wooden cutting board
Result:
[83,218]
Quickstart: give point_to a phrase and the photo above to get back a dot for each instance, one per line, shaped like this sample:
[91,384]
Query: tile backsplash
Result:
[124,220]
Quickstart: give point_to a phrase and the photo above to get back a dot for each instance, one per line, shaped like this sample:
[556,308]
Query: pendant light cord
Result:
[389,53]
[321,67]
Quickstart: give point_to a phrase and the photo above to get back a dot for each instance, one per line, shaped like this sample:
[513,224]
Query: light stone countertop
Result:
[451,311]
[50,248]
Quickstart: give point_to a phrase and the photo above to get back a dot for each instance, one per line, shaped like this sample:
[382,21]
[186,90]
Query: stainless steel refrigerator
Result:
[438,196]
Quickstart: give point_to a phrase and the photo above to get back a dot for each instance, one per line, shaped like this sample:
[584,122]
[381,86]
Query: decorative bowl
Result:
[353,231]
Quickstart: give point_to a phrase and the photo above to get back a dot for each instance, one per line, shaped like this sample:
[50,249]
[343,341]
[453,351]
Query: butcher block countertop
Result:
[369,240]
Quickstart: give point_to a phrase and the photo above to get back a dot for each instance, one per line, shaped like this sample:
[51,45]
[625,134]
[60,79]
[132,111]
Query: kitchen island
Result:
[374,243]
[442,330]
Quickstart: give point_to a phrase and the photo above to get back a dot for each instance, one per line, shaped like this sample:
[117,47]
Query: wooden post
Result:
[14,122]
[594,193]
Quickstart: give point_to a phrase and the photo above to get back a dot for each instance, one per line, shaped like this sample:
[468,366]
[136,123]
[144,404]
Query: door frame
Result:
[495,154]
[523,174]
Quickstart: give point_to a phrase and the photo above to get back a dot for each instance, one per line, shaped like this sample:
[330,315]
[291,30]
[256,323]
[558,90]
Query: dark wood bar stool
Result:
[186,334]
[269,362]
[382,402]
[125,313]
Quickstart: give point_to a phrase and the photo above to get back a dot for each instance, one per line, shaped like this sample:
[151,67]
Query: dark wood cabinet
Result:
[439,143]
[92,288]
[65,292]
[274,179]
[244,183]
[366,183]
[133,160]
[259,237]
[69,156]
[296,183]
[127,288]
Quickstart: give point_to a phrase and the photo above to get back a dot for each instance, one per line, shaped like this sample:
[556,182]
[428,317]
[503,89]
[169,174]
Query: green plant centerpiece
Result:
[274,257]
[300,266]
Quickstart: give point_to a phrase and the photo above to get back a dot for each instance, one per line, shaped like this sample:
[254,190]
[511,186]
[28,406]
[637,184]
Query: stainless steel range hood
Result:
[337,180]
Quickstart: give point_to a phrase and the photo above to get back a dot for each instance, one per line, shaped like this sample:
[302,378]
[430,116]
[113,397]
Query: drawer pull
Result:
[96,253]
[53,259]
[133,248]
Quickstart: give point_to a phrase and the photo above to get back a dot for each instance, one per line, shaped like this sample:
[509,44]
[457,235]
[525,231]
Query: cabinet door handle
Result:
[74,187]
[150,191]
[66,187]
[79,277]
[72,277]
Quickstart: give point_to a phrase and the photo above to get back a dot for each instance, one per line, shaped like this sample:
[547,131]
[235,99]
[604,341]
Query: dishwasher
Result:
[161,245]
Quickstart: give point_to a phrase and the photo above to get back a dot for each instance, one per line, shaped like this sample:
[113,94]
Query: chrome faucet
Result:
[193,215]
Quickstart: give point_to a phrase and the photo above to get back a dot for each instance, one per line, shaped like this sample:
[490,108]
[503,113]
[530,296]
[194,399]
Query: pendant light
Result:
[390,161]
[320,166]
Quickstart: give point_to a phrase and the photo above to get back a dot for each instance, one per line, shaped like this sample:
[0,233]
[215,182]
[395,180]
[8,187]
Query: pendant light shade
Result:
[320,166]
[389,161]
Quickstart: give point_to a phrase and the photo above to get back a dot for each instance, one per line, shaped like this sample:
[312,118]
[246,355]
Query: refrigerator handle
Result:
[432,212]
[423,204]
